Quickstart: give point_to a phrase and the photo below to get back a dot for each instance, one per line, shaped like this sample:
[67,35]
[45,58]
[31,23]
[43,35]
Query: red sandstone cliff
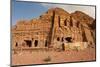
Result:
[57,23]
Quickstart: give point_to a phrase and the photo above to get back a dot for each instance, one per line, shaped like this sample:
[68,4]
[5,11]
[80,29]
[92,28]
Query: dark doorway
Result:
[36,43]
[84,37]
[63,47]
[77,24]
[65,22]
[68,39]
[46,43]
[28,43]
[62,39]
[58,39]
[16,44]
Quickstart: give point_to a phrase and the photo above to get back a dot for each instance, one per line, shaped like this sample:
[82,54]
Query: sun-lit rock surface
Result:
[56,25]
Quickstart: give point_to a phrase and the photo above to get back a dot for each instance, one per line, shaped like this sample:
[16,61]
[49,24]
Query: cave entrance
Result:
[28,43]
[68,39]
[36,43]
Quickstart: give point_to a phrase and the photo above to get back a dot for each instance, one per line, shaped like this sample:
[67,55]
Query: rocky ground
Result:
[43,57]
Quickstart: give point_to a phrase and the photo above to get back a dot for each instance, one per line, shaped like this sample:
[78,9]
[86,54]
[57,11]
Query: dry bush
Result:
[47,59]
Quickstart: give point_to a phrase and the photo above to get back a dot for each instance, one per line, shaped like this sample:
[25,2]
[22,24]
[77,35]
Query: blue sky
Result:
[26,10]
[29,10]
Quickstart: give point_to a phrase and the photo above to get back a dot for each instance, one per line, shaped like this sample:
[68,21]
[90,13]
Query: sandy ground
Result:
[40,57]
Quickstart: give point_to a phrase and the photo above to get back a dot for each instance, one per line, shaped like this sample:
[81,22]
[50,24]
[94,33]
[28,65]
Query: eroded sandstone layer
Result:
[55,29]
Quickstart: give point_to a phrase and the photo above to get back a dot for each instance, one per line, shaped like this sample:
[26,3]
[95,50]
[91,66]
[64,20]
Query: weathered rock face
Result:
[87,24]
[55,27]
